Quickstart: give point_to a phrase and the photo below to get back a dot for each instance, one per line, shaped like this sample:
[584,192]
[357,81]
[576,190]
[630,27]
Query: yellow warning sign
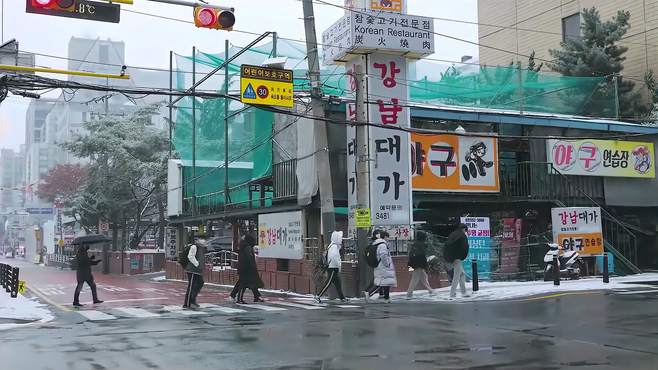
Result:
[21,287]
[362,217]
[266,86]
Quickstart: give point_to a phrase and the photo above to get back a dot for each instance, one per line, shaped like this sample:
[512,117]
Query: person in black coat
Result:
[83,274]
[248,276]
[456,251]
[418,262]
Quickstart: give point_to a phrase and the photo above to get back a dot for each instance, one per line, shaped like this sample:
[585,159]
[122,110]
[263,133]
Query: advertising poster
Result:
[578,229]
[280,235]
[479,246]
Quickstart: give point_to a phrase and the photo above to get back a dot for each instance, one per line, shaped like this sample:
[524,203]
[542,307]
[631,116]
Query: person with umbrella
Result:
[83,269]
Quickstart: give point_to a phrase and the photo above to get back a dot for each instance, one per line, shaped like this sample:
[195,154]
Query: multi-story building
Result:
[510,27]
[11,179]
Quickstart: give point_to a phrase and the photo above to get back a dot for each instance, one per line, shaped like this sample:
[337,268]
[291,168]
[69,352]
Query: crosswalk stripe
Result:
[96,315]
[181,310]
[136,312]
[639,291]
[297,305]
[266,308]
[312,303]
[227,310]
[347,306]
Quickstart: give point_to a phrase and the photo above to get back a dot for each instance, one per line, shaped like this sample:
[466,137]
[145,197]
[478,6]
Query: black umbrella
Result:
[91,239]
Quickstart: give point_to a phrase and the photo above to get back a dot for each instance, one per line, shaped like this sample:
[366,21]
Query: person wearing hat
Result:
[455,252]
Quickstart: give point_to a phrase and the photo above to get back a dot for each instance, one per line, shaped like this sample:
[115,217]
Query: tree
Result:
[597,54]
[63,183]
[127,173]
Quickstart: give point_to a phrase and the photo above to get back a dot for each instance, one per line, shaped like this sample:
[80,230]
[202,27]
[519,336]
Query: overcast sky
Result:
[148,39]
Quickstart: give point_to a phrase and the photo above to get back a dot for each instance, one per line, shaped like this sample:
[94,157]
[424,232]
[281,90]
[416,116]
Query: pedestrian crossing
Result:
[177,311]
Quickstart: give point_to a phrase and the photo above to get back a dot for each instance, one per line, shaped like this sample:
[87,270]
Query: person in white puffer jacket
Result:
[334,265]
[385,271]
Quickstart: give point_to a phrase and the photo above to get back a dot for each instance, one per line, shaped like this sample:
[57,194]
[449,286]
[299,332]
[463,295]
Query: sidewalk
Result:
[499,291]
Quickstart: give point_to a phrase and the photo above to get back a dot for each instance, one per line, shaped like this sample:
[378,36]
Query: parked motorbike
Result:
[570,263]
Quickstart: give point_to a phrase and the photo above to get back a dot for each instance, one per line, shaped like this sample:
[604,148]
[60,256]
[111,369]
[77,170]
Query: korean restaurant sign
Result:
[578,229]
[610,158]
[371,31]
[451,163]
[280,235]
[396,6]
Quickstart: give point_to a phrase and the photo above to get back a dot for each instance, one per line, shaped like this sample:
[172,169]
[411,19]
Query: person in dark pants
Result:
[334,264]
[194,271]
[83,274]
[248,276]
[418,263]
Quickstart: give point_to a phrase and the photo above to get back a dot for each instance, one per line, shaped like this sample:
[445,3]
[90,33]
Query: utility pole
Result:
[171,108]
[362,149]
[194,130]
[226,141]
[322,163]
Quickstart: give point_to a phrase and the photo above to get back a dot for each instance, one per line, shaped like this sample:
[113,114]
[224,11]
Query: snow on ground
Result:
[159,278]
[21,309]
[491,291]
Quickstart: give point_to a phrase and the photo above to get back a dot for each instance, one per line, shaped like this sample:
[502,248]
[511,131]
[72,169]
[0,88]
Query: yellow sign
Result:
[21,287]
[584,244]
[362,217]
[266,86]
[611,158]
[386,5]
[60,242]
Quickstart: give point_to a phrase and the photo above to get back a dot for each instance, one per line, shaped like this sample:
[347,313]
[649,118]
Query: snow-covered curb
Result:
[21,308]
[493,291]
[268,291]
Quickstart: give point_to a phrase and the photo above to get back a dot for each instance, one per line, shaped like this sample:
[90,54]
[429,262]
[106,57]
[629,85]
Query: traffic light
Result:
[211,17]
[66,5]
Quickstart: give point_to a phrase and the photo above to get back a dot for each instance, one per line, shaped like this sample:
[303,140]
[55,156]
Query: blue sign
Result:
[479,248]
[611,263]
[39,211]
[249,92]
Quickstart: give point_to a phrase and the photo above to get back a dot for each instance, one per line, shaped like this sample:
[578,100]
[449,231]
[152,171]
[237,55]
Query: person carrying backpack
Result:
[194,268]
[385,271]
[333,267]
[456,251]
[418,262]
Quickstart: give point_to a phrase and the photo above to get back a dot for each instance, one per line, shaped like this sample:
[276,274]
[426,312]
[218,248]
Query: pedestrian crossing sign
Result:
[21,287]
[249,92]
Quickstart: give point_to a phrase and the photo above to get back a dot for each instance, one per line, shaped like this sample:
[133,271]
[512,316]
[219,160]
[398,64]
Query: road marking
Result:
[297,305]
[136,312]
[554,296]
[266,308]
[639,291]
[94,315]
[347,306]
[128,300]
[226,310]
[182,311]
[313,303]
[48,300]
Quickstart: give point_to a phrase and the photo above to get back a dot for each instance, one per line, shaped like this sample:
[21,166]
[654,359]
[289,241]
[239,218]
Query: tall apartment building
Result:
[535,25]
[11,179]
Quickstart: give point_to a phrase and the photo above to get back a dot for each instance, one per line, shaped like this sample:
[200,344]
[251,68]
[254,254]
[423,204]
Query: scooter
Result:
[569,263]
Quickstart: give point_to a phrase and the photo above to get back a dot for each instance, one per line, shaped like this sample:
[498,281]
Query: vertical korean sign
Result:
[479,245]
[578,229]
[390,166]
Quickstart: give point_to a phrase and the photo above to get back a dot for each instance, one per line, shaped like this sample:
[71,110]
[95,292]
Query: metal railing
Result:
[284,179]
[224,258]
[9,279]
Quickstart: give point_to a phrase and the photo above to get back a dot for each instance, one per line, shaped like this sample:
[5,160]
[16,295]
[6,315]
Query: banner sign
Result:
[510,248]
[579,229]
[602,158]
[451,163]
[479,246]
[266,86]
[280,235]
[362,32]
[171,243]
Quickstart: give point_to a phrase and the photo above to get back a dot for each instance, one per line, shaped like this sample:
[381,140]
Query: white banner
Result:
[350,113]
[579,229]
[280,235]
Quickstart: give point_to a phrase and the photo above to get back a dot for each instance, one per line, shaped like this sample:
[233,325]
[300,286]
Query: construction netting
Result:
[250,132]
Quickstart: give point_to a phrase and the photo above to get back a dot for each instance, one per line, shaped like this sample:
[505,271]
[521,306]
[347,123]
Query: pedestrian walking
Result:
[194,269]
[456,251]
[385,271]
[248,276]
[83,274]
[418,263]
[334,266]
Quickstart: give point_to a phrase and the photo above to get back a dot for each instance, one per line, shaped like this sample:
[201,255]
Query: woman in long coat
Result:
[248,276]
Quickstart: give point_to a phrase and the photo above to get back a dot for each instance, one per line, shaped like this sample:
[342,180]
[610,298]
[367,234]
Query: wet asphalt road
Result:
[580,331]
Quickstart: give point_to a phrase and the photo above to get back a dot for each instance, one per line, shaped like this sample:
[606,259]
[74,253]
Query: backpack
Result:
[182,256]
[371,255]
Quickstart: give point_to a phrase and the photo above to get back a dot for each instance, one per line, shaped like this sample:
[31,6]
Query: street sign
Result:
[362,216]
[266,86]
[39,211]
[60,242]
[89,10]
[21,287]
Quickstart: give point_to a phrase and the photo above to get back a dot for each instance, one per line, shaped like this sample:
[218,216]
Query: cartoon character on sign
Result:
[476,163]
[642,158]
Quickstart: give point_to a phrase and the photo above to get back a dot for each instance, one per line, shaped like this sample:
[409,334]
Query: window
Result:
[571,27]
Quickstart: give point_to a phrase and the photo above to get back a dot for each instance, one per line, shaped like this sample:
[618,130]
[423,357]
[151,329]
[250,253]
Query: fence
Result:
[9,279]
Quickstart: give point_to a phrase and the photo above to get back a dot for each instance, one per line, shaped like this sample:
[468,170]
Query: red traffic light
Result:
[43,3]
[211,17]
[67,5]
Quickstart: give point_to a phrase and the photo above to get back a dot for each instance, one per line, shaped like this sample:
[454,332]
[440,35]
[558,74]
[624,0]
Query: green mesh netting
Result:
[250,145]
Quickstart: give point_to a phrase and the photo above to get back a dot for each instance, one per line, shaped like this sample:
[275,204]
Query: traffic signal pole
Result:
[186,3]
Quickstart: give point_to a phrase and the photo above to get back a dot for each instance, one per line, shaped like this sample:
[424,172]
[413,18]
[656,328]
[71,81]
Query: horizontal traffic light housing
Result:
[211,17]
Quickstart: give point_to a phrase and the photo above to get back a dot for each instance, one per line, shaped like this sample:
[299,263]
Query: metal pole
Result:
[556,271]
[362,173]
[322,162]
[107,98]
[606,274]
[226,142]
[521,92]
[194,130]
[615,81]
[275,39]
[188,3]
[474,272]
[171,108]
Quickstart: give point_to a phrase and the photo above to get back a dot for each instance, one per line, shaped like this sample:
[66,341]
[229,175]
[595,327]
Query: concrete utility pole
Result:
[362,149]
[320,128]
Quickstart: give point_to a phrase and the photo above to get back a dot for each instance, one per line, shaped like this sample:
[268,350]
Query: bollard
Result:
[7,278]
[14,282]
[606,276]
[2,275]
[474,269]
[556,271]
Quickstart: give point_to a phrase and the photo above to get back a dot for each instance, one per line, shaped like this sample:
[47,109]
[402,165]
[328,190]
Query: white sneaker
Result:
[387,300]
